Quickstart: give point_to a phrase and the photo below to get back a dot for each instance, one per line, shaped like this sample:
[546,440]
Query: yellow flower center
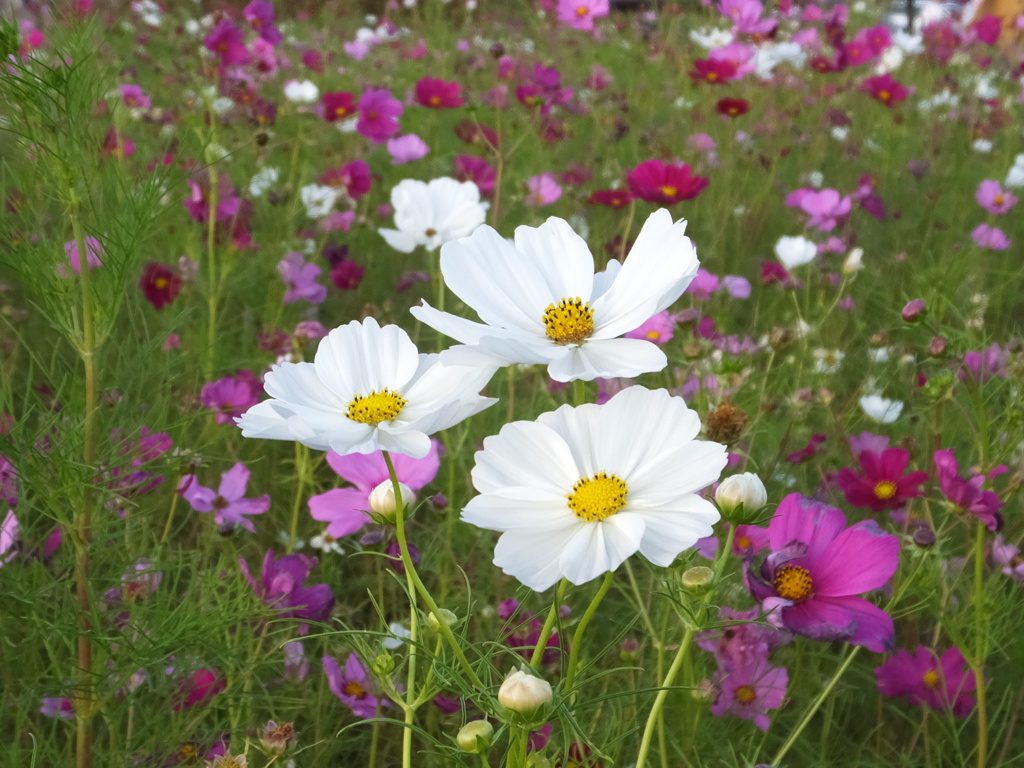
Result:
[793,582]
[744,542]
[885,490]
[997,200]
[340,111]
[595,498]
[745,694]
[712,76]
[160,282]
[570,321]
[435,100]
[931,679]
[376,407]
[581,11]
[352,688]
[653,335]
[884,95]
[668,190]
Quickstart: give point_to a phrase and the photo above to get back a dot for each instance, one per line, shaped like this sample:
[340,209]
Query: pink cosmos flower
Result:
[378,115]
[944,684]
[93,251]
[967,494]
[825,207]
[60,707]
[197,204]
[343,509]
[353,687]
[580,14]
[227,502]
[8,536]
[260,15]
[810,582]
[405,149]
[992,238]
[987,29]
[133,96]
[750,690]
[885,89]
[542,190]
[741,644]
[282,586]
[883,485]
[984,365]
[228,43]
[434,93]
[658,329]
[232,395]
[992,198]
[656,182]
[337,105]
[714,72]
[740,55]
[354,177]
[745,16]
[300,278]
[477,170]
[1006,555]
[198,688]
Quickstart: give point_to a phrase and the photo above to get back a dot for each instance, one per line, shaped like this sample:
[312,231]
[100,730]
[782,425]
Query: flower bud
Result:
[741,494]
[382,499]
[443,616]
[924,536]
[523,693]
[854,261]
[698,579]
[937,346]
[276,736]
[914,311]
[475,737]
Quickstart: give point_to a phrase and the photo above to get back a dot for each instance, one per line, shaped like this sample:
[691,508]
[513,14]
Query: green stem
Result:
[414,579]
[301,458]
[981,643]
[411,703]
[170,514]
[549,623]
[579,392]
[577,638]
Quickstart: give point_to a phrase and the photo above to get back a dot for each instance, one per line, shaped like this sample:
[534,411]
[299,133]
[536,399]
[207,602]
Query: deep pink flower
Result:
[227,503]
[198,688]
[984,365]
[885,89]
[967,494]
[353,687]
[612,198]
[714,72]
[808,451]
[93,251]
[337,105]
[988,29]
[197,204]
[300,279]
[992,238]
[132,96]
[228,43]
[347,274]
[580,14]
[354,177]
[745,16]
[810,582]
[658,329]
[282,587]
[883,485]
[61,707]
[434,93]
[260,15]
[922,677]
[992,198]
[343,509]
[656,182]
[740,55]
[477,170]
[160,285]
[378,115]
[232,395]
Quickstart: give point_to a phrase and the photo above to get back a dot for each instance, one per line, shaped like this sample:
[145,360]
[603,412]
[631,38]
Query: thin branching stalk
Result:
[577,638]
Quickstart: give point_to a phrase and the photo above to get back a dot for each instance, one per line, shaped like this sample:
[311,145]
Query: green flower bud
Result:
[476,737]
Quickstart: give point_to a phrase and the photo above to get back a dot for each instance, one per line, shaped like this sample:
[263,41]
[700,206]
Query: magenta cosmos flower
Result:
[992,198]
[656,182]
[883,484]
[434,93]
[343,509]
[378,115]
[749,691]
[282,587]
[927,680]
[227,502]
[580,14]
[353,686]
[967,494]
[885,89]
[810,582]
[227,42]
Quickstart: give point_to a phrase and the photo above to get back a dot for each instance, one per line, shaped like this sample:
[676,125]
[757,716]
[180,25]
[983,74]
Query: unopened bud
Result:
[383,664]
[382,499]
[524,693]
[914,311]
[854,261]
[475,737]
[742,494]
[924,536]
[937,346]
[443,616]
[698,579]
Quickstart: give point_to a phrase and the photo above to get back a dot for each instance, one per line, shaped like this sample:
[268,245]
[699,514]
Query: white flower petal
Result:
[600,547]
[532,556]
[607,359]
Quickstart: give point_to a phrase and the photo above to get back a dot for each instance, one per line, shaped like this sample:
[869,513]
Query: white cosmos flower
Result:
[433,213]
[301,91]
[318,199]
[579,490]
[795,251]
[541,303]
[367,389]
[880,409]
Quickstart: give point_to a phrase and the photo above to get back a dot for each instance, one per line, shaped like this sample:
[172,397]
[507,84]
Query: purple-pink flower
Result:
[260,15]
[825,208]
[750,690]
[231,396]
[353,686]
[992,238]
[282,587]
[93,251]
[883,484]
[343,509]
[300,278]
[542,190]
[133,96]
[811,581]
[227,503]
[745,16]
[227,42]
[992,198]
[968,494]
[405,149]
[378,115]
[922,677]
[658,329]
[580,14]
[984,365]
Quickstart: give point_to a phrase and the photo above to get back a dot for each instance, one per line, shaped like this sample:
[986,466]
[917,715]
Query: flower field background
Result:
[510,384]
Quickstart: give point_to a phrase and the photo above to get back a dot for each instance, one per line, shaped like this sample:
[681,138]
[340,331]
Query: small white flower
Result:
[1015,177]
[710,38]
[840,132]
[879,354]
[982,145]
[399,634]
[430,214]
[368,389]
[223,105]
[795,251]
[880,409]
[816,179]
[854,261]
[828,360]
[326,543]
[318,199]
[301,91]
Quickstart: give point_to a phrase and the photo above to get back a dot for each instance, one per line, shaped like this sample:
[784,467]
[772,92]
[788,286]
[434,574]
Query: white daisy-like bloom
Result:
[318,199]
[432,213]
[827,360]
[542,304]
[795,251]
[880,409]
[367,389]
[579,490]
[301,91]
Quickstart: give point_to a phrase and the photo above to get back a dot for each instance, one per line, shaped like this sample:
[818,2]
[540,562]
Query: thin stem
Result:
[301,459]
[170,514]
[416,582]
[981,643]
[410,679]
[577,638]
[213,289]
[549,623]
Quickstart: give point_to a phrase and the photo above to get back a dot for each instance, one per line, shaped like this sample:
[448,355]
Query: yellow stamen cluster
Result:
[745,694]
[375,407]
[885,490]
[793,582]
[354,689]
[598,497]
[668,190]
[570,321]
[931,679]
